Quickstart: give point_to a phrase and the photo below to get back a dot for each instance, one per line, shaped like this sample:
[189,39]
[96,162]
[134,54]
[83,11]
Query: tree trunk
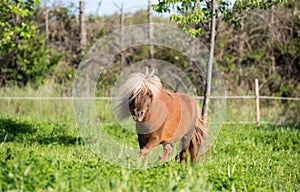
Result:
[82,24]
[209,65]
[122,25]
[46,21]
[150,30]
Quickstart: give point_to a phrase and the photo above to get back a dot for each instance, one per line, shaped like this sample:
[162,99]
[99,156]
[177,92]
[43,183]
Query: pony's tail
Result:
[197,139]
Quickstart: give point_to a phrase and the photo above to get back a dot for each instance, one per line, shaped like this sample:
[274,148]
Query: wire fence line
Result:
[108,98]
[238,116]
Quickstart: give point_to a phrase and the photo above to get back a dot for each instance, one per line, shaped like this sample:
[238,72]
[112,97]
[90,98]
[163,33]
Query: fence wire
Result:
[239,109]
[107,98]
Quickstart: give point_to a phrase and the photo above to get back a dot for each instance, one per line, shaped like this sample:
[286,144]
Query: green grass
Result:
[43,155]
[41,150]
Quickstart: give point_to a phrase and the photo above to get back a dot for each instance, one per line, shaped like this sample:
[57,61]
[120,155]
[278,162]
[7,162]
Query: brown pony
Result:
[161,116]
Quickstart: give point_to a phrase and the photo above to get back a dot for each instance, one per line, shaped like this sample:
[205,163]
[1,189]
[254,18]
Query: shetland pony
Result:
[161,116]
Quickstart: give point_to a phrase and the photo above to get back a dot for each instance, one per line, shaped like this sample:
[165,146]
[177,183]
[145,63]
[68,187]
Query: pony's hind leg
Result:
[183,155]
[184,146]
[167,151]
[193,149]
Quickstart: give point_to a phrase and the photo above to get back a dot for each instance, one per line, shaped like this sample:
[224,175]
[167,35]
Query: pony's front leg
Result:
[167,151]
[145,149]
[144,153]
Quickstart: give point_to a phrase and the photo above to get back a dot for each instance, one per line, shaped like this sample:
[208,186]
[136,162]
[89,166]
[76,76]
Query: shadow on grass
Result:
[18,130]
[60,139]
[11,130]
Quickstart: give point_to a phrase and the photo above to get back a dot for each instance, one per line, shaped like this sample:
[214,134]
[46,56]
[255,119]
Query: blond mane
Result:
[136,82]
[132,87]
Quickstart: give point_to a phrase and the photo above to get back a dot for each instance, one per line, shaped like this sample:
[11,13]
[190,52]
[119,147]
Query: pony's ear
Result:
[152,73]
[147,71]
[149,74]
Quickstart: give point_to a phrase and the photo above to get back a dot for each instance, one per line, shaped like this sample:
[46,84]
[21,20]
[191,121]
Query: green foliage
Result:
[253,50]
[236,15]
[190,13]
[11,30]
[226,64]
[31,63]
[24,56]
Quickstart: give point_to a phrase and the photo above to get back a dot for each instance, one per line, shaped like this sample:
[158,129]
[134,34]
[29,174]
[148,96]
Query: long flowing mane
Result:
[133,86]
[136,82]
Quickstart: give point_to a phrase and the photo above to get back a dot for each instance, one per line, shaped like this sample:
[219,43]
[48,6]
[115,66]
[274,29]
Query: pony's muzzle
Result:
[138,119]
[139,116]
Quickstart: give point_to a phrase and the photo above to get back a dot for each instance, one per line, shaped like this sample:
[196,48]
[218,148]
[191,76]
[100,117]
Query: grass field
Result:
[43,155]
[42,150]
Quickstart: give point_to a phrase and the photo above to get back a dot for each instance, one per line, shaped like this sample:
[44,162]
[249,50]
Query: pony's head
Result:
[140,90]
[139,105]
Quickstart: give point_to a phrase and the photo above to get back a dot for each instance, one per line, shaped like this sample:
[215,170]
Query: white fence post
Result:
[257,102]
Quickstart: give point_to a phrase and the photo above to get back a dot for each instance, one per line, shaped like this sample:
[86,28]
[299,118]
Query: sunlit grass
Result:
[43,155]
[42,150]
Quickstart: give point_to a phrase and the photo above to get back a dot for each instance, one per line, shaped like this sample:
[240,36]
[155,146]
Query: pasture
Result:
[51,141]
[41,150]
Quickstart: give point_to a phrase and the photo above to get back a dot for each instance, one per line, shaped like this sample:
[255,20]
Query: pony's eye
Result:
[150,95]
